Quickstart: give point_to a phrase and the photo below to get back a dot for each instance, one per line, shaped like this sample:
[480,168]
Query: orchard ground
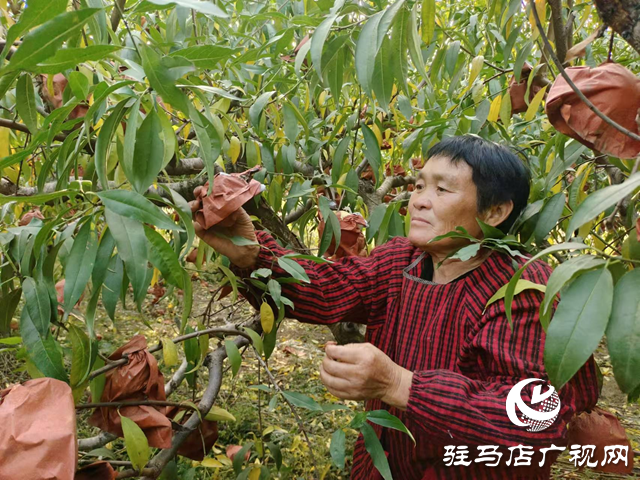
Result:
[295,364]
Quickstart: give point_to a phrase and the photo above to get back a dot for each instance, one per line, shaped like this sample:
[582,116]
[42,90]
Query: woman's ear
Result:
[497,214]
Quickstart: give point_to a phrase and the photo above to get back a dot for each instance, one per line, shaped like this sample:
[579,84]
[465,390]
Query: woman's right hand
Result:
[237,224]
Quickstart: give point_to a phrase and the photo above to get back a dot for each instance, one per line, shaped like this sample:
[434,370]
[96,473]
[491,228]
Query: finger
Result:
[200,231]
[230,220]
[346,371]
[197,191]
[345,353]
[334,384]
[194,205]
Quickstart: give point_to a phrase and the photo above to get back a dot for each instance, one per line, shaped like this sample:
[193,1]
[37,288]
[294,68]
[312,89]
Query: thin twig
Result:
[133,403]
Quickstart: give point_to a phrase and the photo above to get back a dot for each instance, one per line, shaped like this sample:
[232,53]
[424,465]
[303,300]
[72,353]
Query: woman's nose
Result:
[421,200]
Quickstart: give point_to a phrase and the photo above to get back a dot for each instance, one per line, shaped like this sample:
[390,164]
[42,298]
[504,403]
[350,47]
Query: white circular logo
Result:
[538,418]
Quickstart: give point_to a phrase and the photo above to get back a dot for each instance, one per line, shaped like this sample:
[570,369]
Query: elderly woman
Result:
[434,356]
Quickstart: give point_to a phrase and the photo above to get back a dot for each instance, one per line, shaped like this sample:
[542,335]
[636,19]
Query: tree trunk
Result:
[623,16]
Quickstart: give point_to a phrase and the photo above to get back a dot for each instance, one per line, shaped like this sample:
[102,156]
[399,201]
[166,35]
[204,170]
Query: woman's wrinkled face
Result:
[444,198]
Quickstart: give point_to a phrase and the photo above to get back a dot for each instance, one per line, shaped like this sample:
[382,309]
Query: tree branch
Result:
[395,181]
[116,14]
[21,127]
[559,32]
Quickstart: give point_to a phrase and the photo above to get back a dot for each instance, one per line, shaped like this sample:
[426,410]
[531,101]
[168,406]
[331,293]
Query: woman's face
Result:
[444,198]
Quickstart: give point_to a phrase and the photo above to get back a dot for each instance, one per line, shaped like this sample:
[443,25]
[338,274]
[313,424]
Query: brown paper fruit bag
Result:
[615,91]
[199,442]
[352,240]
[602,429]
[139,379]
[230,192]
[38,431]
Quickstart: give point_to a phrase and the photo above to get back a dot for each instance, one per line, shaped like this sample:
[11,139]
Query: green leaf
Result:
[600,200]
[128,152]
[205,56]
[318,39]
[522,56]
[80,265]
[164,258]
[256,340]
[367,50]
[623,332]
[103,143]
[136,443]
[44,41]
[112,285]
[235,359]
[233,281]
[276,454]
[382,81]
[302,401]
[35,13]
[511,286]
[218,414]
[132,248]
[162,74]
[414,43]
[148,158]
[372,150]
[80,356]
[200,124]
[294,269]
[451,57]
[578,325]
[26,103]
[385,419]
[255,111]
[374,448]
[8,305]
[520,286]
[38,199]
[103,258]
[96,385]
[337,450]
[133,205]
[549,216]
[38,303]
[42,349]
[428,14]
[564,273]
[238,458]
[79,85]
[207,8]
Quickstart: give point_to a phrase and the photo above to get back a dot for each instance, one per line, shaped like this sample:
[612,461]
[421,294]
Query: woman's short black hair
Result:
[498,174]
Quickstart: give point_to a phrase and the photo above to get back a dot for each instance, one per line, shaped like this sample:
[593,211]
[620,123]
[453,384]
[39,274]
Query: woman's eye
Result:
[440,189]
[418,186]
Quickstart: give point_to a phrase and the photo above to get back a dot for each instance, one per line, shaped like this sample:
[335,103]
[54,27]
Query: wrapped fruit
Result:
[139,379]
[38,434]
[230,192]
[615,91]
[517,91]
[352,241]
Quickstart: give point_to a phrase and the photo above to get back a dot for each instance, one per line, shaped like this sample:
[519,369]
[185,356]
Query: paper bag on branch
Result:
[139,379]
[602,429]
[230,192]
[38,431]
[199,442]
[615,91]
[517,91]
[352,241]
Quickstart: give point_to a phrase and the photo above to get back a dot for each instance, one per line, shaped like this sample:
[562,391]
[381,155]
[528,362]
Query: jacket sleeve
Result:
[470,408]
[352,289]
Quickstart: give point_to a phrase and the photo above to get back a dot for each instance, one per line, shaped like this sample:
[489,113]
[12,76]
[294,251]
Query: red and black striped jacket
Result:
[465,359]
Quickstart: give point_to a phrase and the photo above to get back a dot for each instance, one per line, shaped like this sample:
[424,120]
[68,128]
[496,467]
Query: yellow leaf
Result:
[505,109]
[234,149]
[376,132]
[535,104]
[266,317]
[155,276]
[494,111]
[255,474]
[520,286]
[169,352]
[557,187]
[549,164]
[5,150]
[540,8]
[476,67]
[211,463]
